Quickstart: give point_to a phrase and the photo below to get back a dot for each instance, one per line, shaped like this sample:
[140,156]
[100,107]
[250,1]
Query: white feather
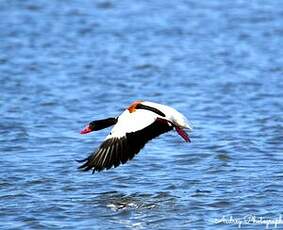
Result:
[131,122]
[172,114]
[141,118]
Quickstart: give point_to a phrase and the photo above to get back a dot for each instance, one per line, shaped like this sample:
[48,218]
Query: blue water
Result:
[65,63]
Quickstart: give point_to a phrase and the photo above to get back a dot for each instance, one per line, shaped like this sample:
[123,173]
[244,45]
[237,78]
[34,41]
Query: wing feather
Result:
[116,150]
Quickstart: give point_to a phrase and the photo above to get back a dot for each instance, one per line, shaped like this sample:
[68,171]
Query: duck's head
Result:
[98,125]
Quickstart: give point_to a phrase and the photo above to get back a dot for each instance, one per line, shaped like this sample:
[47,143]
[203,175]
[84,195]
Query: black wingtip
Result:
[81,161]
[84,165]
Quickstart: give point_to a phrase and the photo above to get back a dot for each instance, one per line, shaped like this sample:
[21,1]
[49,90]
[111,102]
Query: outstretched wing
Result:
[118,150]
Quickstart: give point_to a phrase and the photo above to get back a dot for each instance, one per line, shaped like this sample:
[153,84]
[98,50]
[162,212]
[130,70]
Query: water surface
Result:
[65,63]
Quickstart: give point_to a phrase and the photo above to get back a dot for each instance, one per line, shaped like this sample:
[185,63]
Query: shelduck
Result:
[138,124]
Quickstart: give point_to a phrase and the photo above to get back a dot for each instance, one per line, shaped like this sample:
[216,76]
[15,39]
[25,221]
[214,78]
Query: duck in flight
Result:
[138,124]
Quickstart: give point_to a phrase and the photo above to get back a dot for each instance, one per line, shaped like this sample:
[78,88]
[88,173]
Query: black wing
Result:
[116,151]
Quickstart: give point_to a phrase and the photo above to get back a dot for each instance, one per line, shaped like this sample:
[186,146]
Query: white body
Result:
[141,118]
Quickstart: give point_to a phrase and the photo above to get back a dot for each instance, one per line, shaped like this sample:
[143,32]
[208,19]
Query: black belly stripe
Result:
[152,109]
